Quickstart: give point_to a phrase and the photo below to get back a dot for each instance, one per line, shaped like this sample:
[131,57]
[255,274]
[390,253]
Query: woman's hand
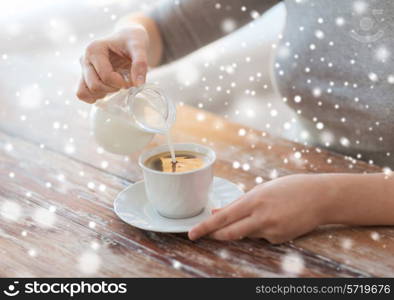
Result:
[278,211]
[125,50]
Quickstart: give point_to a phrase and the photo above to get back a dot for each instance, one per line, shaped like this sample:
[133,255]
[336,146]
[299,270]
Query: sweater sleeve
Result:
[186,25]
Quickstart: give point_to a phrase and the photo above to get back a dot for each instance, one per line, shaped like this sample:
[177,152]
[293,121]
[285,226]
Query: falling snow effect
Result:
[273,174]
[44,217]
[176,264]
[228,25]
[382,54]
[259,180]
[347,243]
[92,224]
[375,236]
[292,264]
[89,263]
[233,83]
[224,254]
[360,7]
[10,211]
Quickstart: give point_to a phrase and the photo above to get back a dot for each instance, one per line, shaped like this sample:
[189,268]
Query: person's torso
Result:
[335,66]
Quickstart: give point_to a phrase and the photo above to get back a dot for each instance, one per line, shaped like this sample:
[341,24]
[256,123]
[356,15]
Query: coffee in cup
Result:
[180,189]
[184,161]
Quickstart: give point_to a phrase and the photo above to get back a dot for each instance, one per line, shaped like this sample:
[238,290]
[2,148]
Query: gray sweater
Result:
[333,64]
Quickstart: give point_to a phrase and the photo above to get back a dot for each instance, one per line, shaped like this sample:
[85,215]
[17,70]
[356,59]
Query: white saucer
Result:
[132,206]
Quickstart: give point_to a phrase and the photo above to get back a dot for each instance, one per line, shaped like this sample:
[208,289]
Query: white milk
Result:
[116,134]
[116,130]
[171,146]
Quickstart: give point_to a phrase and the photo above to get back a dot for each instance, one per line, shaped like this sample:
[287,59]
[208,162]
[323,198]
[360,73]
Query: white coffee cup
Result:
[179,195]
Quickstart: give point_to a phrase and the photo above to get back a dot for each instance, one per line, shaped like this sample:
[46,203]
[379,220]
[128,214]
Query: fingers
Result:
[242,198]
[93,81]
[236,230]
[103,56]
[83,92]
[214,210]
[139,64]
[105,71]
[232,232]
[98,75]
[222,218]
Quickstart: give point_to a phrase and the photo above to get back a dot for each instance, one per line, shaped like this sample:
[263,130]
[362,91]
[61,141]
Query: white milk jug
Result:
[126,121]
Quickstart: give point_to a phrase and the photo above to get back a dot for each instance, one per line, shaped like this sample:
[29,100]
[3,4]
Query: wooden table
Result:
[57,190]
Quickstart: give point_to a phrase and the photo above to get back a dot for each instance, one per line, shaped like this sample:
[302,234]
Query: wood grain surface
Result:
[57,186]
[72,187]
